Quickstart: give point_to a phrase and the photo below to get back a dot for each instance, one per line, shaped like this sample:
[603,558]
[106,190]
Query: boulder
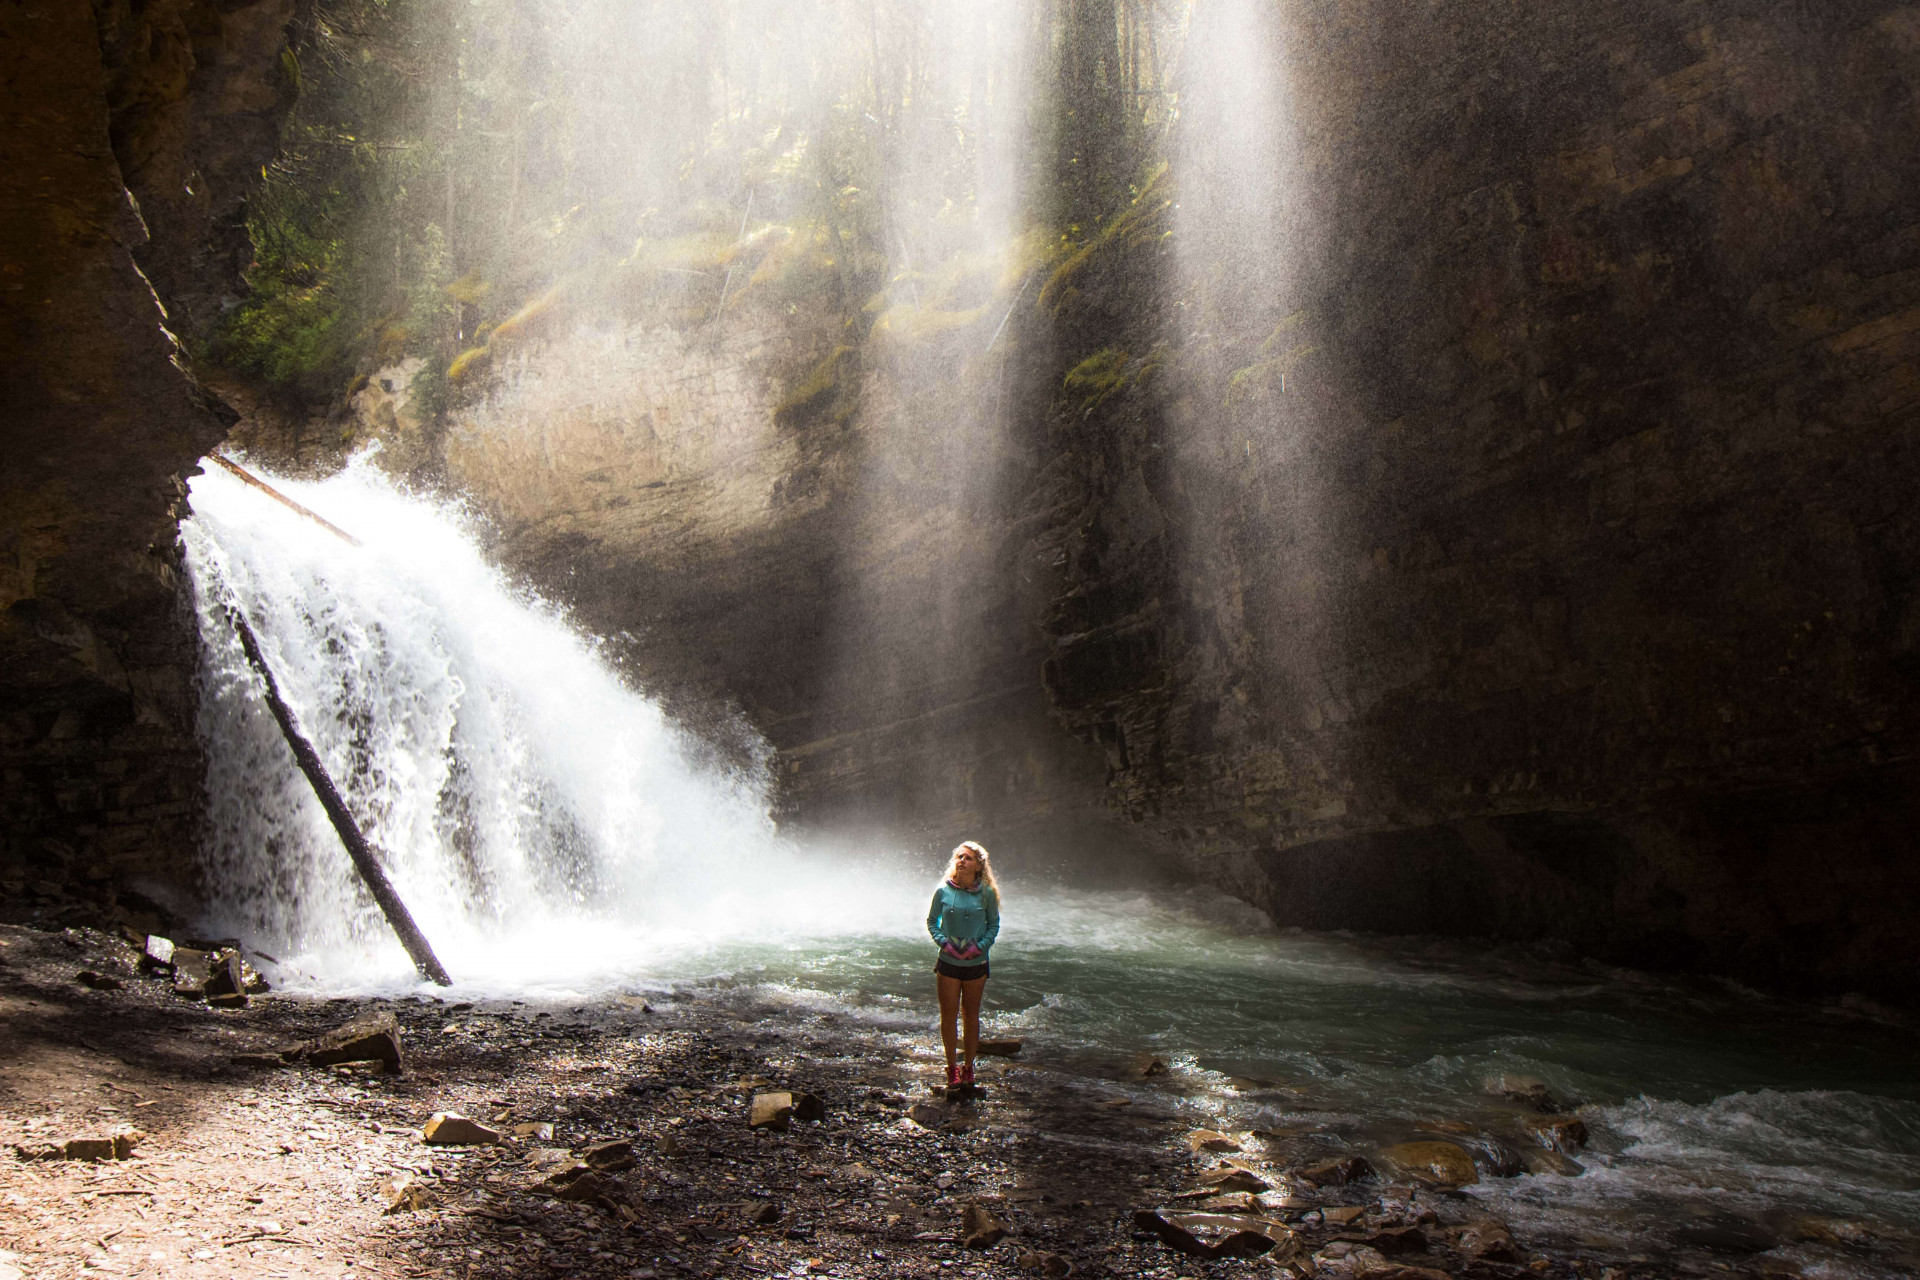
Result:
[1336,1173]
[451,1129]
[1565,1134]
[1527,1090]
[770,1111]
[1436,1164]
[1213,1235]
[1210,1140]
[1489,1240]
[1393,1241]
[191,969]
[1492,1156]
[374,1038]
[1233,1179]
[1542,1160]
[226,985]
[998,1048]
[980,1229]
[1229,1202]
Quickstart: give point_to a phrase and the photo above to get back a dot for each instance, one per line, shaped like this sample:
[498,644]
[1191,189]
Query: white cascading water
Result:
[547,825]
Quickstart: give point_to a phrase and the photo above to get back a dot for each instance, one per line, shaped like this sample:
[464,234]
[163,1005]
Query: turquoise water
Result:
[1717,1116]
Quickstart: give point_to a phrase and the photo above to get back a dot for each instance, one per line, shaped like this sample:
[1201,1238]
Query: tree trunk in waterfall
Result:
[364,859]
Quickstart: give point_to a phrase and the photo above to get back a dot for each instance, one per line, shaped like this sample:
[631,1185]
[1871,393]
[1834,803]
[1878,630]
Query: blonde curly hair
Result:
[986,864]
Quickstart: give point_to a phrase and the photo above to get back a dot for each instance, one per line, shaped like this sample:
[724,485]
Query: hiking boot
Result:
[966,1073]
[953,1076]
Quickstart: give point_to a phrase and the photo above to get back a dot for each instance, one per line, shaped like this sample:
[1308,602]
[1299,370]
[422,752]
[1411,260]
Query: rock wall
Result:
[1571,588]
[128,138]
[1498,524]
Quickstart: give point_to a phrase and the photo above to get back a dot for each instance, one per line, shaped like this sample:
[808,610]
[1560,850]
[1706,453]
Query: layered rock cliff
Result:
[130,135]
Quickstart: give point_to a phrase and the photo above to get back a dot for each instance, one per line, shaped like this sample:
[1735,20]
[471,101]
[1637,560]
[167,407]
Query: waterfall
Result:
[545,822]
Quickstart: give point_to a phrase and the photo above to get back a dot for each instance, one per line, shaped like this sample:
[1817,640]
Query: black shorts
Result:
[965,972]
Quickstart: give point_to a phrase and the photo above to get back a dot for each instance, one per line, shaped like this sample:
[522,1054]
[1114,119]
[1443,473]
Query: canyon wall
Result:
[129,139]
[1568,589]
[1515,541]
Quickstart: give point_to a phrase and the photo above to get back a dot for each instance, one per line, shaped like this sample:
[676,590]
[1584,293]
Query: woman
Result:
[964,920]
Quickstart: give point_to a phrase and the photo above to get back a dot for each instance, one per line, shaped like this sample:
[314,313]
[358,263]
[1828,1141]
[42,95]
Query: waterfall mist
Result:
[545,823]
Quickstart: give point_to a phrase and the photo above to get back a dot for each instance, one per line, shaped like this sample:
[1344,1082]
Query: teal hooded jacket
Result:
[964,922]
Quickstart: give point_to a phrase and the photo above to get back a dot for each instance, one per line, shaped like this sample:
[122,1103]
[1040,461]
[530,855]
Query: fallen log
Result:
[248,477]
[364,859]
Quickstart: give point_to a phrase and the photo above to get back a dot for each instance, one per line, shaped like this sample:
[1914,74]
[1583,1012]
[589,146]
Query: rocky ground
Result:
[615,1140]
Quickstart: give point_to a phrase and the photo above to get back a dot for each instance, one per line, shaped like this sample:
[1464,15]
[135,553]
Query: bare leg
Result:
[970,993]
[950,1012]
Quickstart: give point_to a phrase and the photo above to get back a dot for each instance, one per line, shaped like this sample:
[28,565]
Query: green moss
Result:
[1282,350]
[1109,372]
[814,394]
[1143,222]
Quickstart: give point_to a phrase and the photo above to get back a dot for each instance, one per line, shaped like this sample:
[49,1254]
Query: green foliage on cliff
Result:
[463,178]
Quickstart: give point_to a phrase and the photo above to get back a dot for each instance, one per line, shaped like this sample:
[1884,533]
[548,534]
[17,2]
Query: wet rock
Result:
[1210,1140]
[1233,1178]
[928,1116]
[1565,1134]
[1436,1164]
[1808,1227]
[1527,1090]
[979,1229]
[403,1193]
[1540,1160]
[1050,1265]
[998,1048]
[374,1038]
[1341,1215]
[1146,1066]
[1336,1173]
[451,1129]
[609,1157]
[1491,1156]
[1229,1202]
[1212,1235]
[1400,1271]
[1488,1239]
[158,952]
[226,985]
[98,981]
[1724,1233]
[1393,1241]
[191,969]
